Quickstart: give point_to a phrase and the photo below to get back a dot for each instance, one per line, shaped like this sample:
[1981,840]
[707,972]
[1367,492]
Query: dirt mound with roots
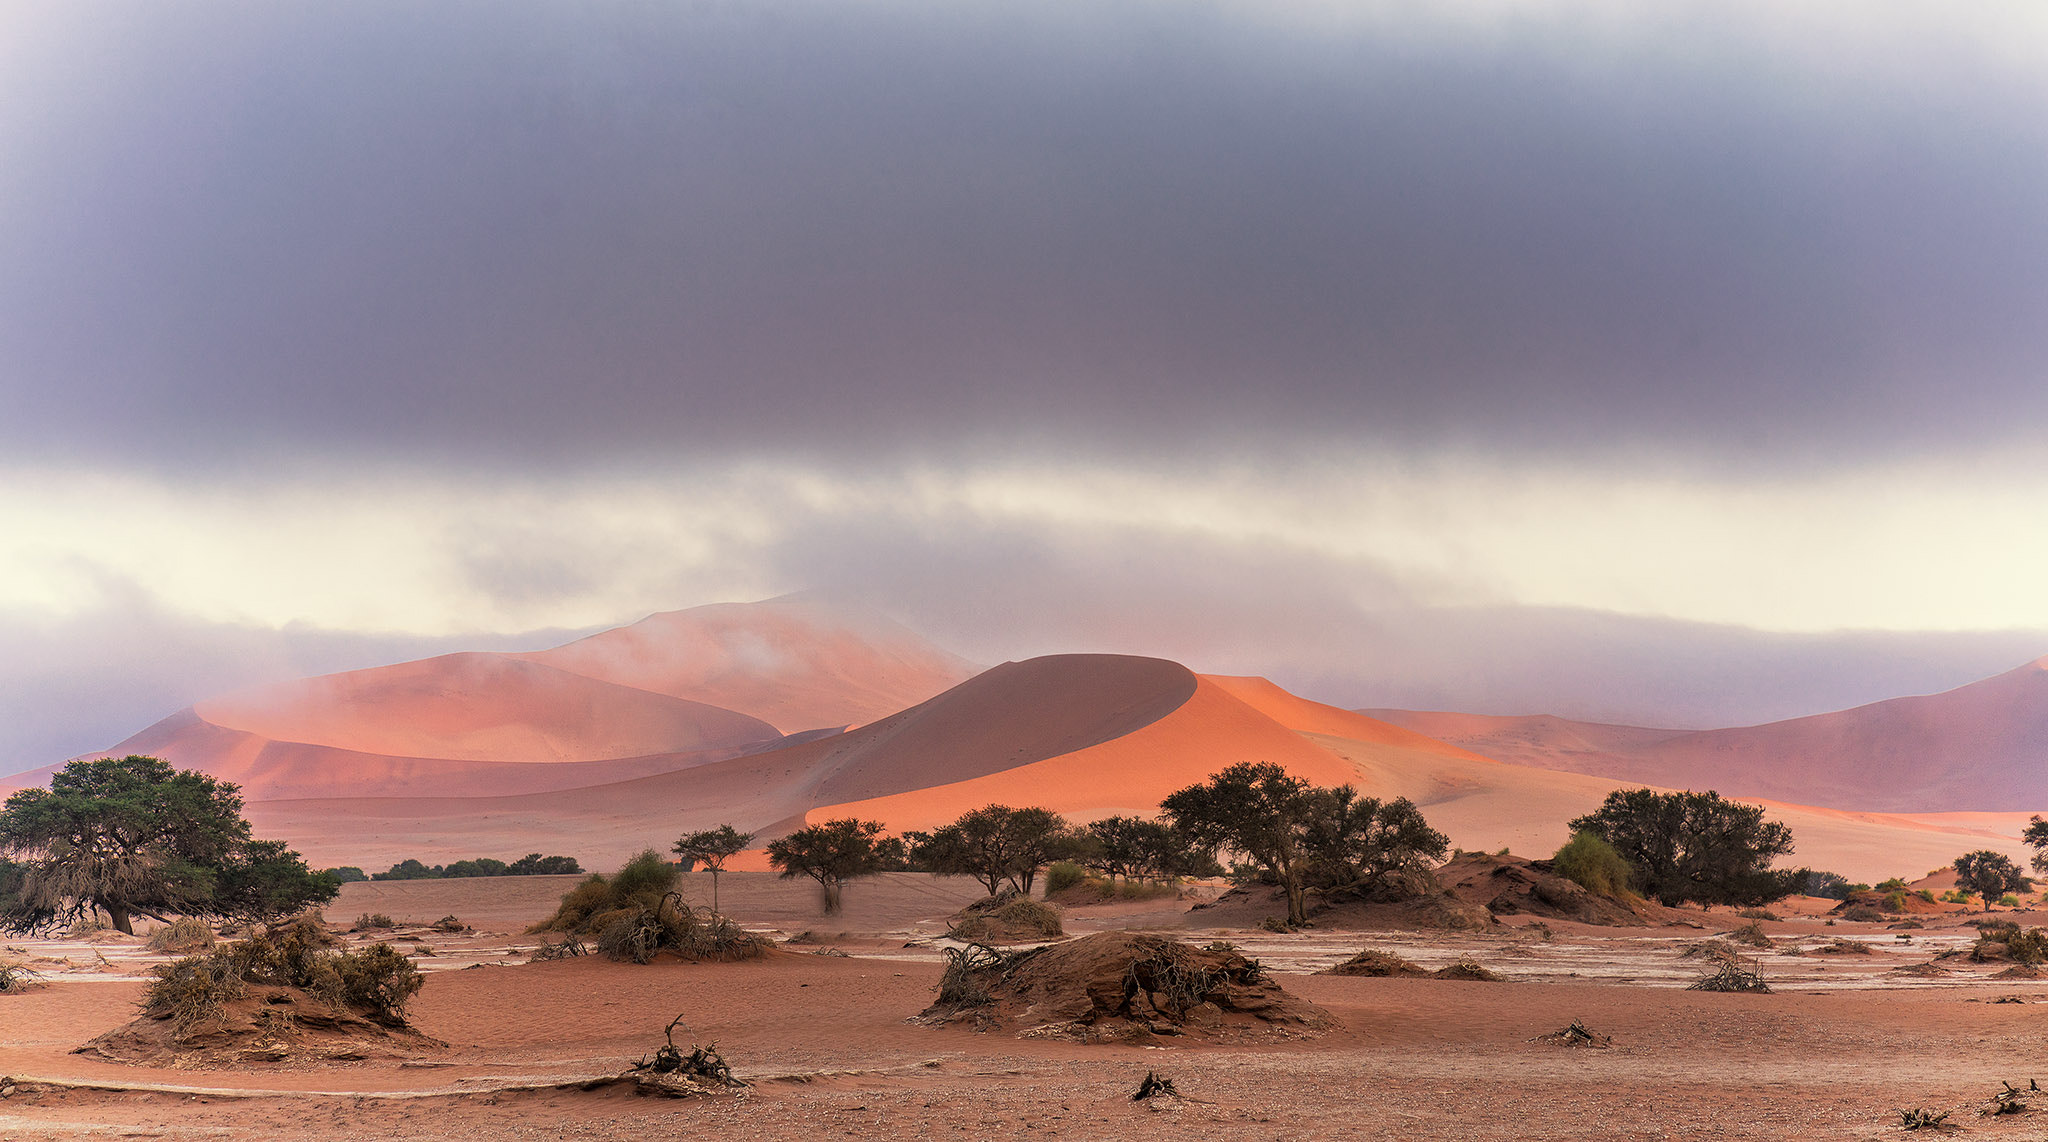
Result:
[1509,885]
[266,1025]
[285,994]
[1120,987]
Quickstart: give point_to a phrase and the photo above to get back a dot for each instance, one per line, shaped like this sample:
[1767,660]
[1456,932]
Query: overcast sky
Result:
[1676,363]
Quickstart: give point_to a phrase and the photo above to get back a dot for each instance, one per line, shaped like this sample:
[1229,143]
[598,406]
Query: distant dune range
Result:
[1978,748]
[733,714]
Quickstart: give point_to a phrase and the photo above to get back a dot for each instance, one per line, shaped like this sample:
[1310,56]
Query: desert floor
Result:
[827,1043]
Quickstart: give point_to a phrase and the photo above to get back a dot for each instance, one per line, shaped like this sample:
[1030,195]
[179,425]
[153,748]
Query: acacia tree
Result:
[1990,875]
[833,853]
[1695,847]
[712,848]
[132,837]
[996,843]
[2036,834]
[1301,835]
[1262,811]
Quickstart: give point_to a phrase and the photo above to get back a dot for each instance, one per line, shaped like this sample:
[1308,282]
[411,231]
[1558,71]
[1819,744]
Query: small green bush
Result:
[636,915]
[2008,901]
[1894,901]
[1926,894]
[1594,865]
[1893,885]
[1062,875]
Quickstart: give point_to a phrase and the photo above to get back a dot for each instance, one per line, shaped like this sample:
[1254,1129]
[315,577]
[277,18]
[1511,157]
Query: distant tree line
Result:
[532,864]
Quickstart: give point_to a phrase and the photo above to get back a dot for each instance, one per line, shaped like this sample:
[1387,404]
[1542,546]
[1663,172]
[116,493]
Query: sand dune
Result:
[797,662]
[1087,735]
[1129,774]
[481,707]
[1015,715]
[1975,748]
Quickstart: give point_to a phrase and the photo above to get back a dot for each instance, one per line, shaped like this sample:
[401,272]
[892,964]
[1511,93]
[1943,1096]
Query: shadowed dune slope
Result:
[480,707]
[1979,747]
[797,662]
[1129,774]
[1014,715]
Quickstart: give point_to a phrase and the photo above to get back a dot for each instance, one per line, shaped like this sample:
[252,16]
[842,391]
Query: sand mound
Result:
[1507,885]
[269,1024]
[1119,986]
[1375,964]
[1006,918]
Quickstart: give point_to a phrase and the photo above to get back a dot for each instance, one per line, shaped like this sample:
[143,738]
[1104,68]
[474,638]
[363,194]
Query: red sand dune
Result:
[1975,748]
[797,662]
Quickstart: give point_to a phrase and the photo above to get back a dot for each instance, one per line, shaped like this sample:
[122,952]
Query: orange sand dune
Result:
[797,662]
[1129,774]
[1303,716]
[1088,735]
[1014,715]
[480,707]
[1975,748]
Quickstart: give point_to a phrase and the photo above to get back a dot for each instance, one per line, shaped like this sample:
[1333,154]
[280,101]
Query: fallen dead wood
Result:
[1576,1035]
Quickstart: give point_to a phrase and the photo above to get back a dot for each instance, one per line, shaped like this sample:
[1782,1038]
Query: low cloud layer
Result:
[553,234]
[1673,362]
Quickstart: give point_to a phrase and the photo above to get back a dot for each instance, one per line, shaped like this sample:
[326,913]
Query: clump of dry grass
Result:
[1375,964]
[185,935]
[17,977]
[1751,934]
[1010,916]
[1468,969]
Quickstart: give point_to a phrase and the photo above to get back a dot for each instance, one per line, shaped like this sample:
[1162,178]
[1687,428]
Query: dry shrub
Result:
[640,934]
[193,990]
[374,922]
[1842,947]
[1468,969]
[1862,914]
[548,952]
[1759,914]
[450,924]
[1113,987]
[16,977]
[1718,950]
[2004,940]
[1731,977]
[1752,934]
[1006,917]
[185,935]
[297,953]
[963,986]
[1375,964]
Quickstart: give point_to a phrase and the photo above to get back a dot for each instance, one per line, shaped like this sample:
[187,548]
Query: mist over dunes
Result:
[768,715]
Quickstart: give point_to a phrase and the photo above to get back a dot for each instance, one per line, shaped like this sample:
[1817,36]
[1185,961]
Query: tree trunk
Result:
[831,888]
[1297,899]
[714,892]
[119,918]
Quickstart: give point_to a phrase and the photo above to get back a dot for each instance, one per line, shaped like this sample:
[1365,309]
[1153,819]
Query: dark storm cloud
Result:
[573,230]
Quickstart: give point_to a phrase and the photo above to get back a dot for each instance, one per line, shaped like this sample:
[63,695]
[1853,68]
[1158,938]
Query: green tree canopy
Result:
[1990,875]
[1301,835]
[997,843]
[712,848]
[834,853]
[1695,847]
[133,837]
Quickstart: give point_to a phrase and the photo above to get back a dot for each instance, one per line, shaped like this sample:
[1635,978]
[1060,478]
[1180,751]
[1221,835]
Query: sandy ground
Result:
[825,1040]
